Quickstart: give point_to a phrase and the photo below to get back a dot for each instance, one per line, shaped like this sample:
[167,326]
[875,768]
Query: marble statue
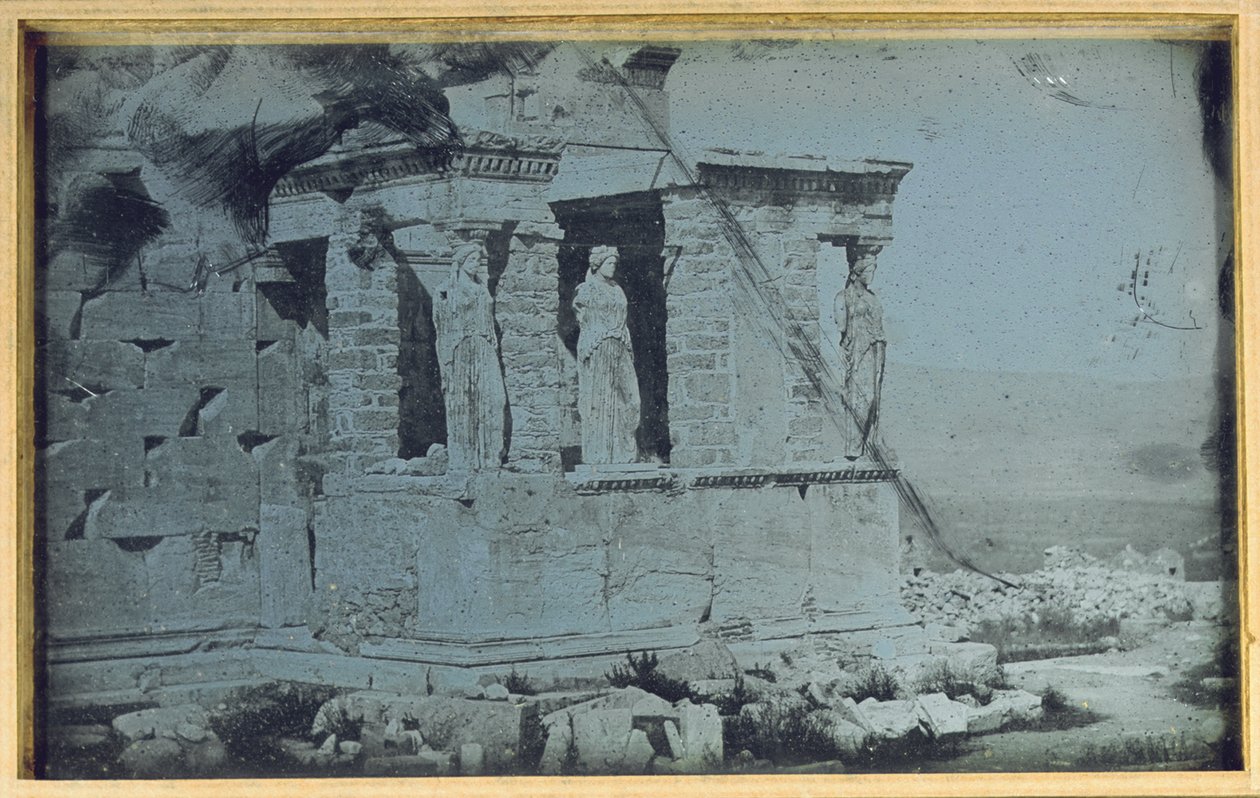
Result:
[862,345]
[608,389]
[468,356]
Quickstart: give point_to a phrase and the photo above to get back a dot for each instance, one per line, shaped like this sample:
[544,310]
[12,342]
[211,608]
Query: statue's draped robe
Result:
[472,380]
[862,343]
[608,389]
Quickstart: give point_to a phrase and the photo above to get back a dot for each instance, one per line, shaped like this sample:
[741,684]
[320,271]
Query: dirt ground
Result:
[1133,697]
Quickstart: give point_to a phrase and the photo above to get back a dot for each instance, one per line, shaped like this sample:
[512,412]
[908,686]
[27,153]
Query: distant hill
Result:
[1014,462]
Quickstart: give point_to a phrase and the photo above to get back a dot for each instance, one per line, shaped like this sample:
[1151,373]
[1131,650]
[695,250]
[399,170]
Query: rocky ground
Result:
[1104,665]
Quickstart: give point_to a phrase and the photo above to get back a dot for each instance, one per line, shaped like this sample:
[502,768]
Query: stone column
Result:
[362,360]
[861,389]
[526,309]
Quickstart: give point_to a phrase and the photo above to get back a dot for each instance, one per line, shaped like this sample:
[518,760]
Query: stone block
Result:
[192,484]
[168,722]
[971,661]
[848,737]
[941,716]
[284,564]
[99,366]
[890,719]
[152,759]
[700,729]
[472,759]
[122,316]
[556,750]
[600,737]
[55,314]
[94,588]
[226,364]
[708,659]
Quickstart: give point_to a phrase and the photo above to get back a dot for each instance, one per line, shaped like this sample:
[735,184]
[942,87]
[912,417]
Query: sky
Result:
[1016,232]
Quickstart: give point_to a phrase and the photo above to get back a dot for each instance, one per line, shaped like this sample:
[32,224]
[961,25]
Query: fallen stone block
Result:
[408,765]
[707,659]
[623,698]
[600,737]
[555,754]
[206,758]
[848,737]
[713,688]
[160,758]
[160,721]
[848,709]
[638,753]
[890,720]
[941,716]
[673,741]
[974,662]
[700,728]
[652,707]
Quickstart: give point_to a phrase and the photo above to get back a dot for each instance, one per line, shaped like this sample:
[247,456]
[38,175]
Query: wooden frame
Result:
[223,20]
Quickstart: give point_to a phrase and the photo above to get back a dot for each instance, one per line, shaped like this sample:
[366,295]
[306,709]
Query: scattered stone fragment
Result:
[496,692]
[350,747]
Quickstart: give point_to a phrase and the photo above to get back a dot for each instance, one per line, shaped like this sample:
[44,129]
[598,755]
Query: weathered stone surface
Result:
[972,661]
[848,737]
[402,766]
[890,719]
[700,728]
[207,758]
[621,698]
[600,737]
[446,722]
[673,741]
[708,659]
[638,752]
[496,692]
[472,759]
[654,708]
[153,759]
[941,716]
[556,750]
[161,721]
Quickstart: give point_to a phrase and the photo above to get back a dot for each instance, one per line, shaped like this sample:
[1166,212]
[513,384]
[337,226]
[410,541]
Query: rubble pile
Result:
[1072,587]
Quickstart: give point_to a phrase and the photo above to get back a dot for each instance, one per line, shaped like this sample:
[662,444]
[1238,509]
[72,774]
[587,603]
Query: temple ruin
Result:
[263,479]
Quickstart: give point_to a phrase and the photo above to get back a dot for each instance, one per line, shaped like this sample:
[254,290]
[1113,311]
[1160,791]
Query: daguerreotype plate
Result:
[586,402]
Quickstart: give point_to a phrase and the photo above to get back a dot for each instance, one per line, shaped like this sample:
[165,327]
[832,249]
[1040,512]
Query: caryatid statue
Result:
[862,345]
[467,348]
[608,388]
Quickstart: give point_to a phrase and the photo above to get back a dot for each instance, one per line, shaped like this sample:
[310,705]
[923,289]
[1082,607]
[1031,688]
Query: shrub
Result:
[784,734]
[519,683]
[875,682]
[260,715]
[641,673]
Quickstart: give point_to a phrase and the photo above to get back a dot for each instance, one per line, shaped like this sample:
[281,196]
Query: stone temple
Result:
[359,458]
